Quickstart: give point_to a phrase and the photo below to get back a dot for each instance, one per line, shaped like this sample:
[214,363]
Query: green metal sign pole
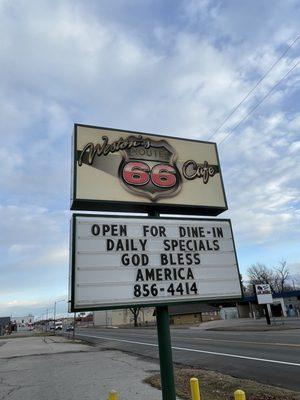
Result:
[164,347]
[165,353]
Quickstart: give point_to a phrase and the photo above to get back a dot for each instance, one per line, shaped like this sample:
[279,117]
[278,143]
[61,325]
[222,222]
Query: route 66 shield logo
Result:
[150,171]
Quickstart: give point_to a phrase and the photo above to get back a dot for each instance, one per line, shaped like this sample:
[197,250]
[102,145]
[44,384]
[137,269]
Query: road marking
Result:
[196,351]
[280,344]
[239,341]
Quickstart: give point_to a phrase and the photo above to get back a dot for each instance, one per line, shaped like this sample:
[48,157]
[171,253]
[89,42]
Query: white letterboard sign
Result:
[121,262]
[264,293]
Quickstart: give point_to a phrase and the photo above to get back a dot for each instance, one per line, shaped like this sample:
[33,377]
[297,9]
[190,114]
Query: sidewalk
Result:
[54,368]
[249,324]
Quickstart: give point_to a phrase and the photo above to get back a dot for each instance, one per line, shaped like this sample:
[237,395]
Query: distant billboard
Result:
[264,293]
[116,170]
[123,262]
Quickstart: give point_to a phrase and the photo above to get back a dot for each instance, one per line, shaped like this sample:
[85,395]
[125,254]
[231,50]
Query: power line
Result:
[259,103]
[254,87]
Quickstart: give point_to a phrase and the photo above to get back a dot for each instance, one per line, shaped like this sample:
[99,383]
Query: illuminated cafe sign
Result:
[118,170]
[122,262]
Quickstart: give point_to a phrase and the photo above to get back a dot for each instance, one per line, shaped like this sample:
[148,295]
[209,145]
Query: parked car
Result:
[58,327]
[69,328]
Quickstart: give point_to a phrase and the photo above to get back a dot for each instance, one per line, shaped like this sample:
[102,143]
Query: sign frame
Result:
[77,204]
[71,300]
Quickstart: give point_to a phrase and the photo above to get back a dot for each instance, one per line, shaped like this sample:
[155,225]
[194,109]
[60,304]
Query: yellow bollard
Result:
[113,395]
[195,389]
[239,395]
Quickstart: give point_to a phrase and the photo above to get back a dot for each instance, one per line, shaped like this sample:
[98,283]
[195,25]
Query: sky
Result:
[168,67]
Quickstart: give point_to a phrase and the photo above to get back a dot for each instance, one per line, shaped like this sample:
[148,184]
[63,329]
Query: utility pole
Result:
[46,319]
[267,315]
[54,314]
[74,321]
[54,317]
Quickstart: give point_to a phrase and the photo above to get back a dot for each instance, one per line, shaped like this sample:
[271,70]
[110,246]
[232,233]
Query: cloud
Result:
[21,248]
[40,307]
[295,147]
[176,68]
[34,252]
[263,181]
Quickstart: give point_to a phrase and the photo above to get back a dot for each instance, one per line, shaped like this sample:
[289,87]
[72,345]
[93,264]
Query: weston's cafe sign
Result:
[132,171]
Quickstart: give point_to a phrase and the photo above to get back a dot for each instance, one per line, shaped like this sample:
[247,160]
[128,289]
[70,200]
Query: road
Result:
[268,357]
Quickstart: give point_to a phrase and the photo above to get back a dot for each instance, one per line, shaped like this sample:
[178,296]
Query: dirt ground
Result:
[216,386]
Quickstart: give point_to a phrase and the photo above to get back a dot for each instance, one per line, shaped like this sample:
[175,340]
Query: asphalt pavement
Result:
[43,368]
[270,357]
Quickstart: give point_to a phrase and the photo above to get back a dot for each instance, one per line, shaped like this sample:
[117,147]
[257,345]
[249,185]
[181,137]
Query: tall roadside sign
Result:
[264,293]
[122,262]
[264,296]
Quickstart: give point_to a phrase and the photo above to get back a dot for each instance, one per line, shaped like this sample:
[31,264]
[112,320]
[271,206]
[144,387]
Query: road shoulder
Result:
[57,368]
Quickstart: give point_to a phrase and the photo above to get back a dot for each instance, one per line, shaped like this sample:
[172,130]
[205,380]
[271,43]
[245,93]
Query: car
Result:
[58,327]
[69,328]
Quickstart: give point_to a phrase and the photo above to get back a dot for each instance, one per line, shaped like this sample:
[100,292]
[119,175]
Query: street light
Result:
[54,316]
[47,320]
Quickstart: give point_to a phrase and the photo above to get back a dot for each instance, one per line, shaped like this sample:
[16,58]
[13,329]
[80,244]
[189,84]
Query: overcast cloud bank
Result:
[170,67]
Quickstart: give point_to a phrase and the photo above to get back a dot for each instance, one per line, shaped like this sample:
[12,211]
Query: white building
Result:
[23,323]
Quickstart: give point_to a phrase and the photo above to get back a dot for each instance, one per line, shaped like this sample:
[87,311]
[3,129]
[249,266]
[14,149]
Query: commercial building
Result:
[25,323]
[124,317]
[4,324]
[189,314]
[285,304]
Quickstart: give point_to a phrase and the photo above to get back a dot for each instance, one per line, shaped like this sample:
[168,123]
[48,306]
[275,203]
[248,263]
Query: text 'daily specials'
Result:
[119,262]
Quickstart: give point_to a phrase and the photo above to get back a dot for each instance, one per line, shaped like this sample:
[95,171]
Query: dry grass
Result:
[216,386]
[18,335]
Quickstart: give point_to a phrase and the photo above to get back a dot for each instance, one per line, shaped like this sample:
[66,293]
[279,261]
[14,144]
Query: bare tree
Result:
[259,273]
[135,312]
[282,275]
[276,277]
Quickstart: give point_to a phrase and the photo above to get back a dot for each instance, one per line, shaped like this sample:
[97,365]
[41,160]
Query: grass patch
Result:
[26,335]
[216,386]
